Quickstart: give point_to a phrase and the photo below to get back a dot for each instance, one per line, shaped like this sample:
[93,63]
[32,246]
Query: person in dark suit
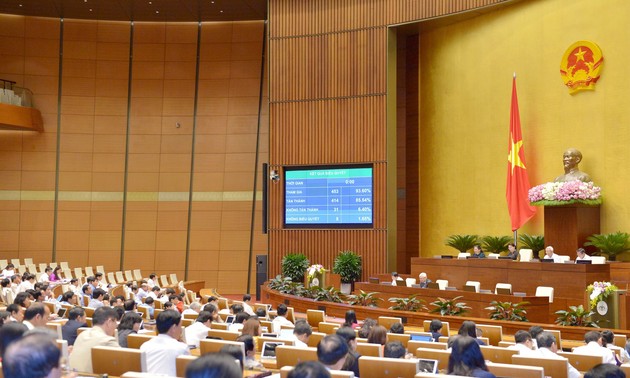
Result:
[512,252]
[76,320]
[423,281]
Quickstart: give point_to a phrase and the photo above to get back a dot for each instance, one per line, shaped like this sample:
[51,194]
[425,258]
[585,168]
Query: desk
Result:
[537,310]
[568,280]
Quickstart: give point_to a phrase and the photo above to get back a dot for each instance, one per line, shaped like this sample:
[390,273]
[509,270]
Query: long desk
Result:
[537,309]
[568,280]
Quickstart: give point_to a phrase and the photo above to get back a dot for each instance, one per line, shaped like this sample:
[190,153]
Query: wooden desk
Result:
[537,310]
[568,280]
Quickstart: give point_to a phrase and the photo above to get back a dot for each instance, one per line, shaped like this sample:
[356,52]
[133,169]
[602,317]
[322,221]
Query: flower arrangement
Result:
[598,291]
[315,269]
[565,193]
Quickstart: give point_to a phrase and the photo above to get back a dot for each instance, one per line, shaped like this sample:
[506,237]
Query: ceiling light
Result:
[157,11]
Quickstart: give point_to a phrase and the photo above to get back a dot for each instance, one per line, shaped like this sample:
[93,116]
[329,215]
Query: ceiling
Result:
[140,10]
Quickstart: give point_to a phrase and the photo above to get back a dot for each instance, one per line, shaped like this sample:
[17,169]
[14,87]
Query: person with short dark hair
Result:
[302,332]
[247,306]
[17,313]
[261,313]
[97,298]
[152,282]
[394,349]
[213,365]
[250,352]
[37,315]
[101,334]
[9,333]
[593,347]
[216,318]
[22,299]
[466,359]
[280,319]
[352,359]
[129,324]
[76,320]
[130,305]
[350,320]
[608,341]
[309,369]
[45,277]
[547,348]
[332,351]
[199,329]
[163,349]
[435,328]
[478,252]
[34,356]
[397,328]
[69,298]
[523,343]
[605,370]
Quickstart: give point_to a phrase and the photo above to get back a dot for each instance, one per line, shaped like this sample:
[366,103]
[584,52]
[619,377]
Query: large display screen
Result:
[328,196]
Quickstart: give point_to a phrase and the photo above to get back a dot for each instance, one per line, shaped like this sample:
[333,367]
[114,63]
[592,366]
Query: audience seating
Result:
[558,337]
[503,286]
[220,326]
[181,363]
[284,373]
[314,317]
[492,332]
[410,281]
[598,260]
[119,277]
[475,284]
[498,354]
[387,321]
[433,354]
[367,349]
[463,255]
[291,355]
[515,371]
[525,254]
[56,327]
[626,369]
[446,329]
[556,368]
[262,339]
[545,291]
[373,367]
[403,338]
[134,340]
[315,338]
[117,361]
[89,271]
[78,273]
[327,328]
[100,268]
[174,280]
[163,281]
[442,284]
[137,275]
[224,335]
[212,346]
[415,344]
[582,362]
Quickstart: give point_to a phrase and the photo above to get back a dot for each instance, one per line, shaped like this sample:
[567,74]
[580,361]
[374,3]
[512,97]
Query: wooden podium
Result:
[567,227]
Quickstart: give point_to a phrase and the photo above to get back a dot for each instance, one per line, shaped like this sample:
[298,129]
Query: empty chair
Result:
[463,255]
[137,275]
[134,341]
[475,284]
[410,281]
[598,260]
[387,321]
[67,273]
[545,291]
[525,254]
[27,261]
[64,265]
[442,284]
[327,328]
[31,268]
[556,368]
[117,361]
[365,349]
[100,268]
[119,277]
[564,258]
[515,371]
[42,267]
[15,262]
[174,279]
[387,367]
[3,263]
[505,286]
[287,355]
[163,280]
[111,278]
[78,273]
[128,275]
[314,317]
[494,255]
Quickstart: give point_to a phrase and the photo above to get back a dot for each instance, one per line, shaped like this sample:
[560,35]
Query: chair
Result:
[64,265]
[446,329]
[475,284]
[545,291]
[442,284]
[224,335]
[433,354]
[505,344]
[463,255]
[55,327]
[314,317]
[263,339]
[515,371]
[620,340]
[128,275]
[315,338]
[222,326]
[327,328]
[145,312]
[581,362]
[119,277]
[111,278]
[387,321]
[222,303]
[31,268]
[15,262]
[415,344]
[78,273]
[117,361]
[4,263]
[403,338]
[410,281]
[564,258]
[27,261]
[494,255]
[626,369]
[494,333]
[163,281]
[292,355]
[558,337]
[556,368]
[100,268]
[498,354]
[366,349]
[213,346]
[525,254]
[291,314]
[137,275]
[374,367]
[598,260]
[284,373]
[505,286]
[134,341]
[89,271]
[173,278]
[89,311]
[67,273]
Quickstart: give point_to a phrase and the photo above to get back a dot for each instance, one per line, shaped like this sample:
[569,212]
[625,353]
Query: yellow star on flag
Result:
[579,55]
[513,156]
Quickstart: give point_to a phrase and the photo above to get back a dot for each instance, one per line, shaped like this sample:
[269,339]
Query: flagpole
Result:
[515,237]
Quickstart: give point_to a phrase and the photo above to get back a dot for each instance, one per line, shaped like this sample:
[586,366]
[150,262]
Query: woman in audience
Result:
[366,327]
[251,327]
[351,320]
[250,352]
[130,323]
[55,275]
[469,328]
[378,335]
[466,359]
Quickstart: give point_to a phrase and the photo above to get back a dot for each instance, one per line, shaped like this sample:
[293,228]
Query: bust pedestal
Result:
[567,227]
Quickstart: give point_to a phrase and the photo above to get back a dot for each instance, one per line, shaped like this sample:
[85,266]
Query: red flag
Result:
[517,180]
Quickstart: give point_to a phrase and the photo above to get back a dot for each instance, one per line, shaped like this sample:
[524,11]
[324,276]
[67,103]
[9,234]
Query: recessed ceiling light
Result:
[150,2]
[90,9]
[221,11]
[20,5]
[157,11]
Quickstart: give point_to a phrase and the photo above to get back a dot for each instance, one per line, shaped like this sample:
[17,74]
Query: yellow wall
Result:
[466,78]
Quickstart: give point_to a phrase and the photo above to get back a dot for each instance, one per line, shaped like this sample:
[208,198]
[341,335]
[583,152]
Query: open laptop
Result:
[470,288]
[269,350]
[546,260]
[230,319]
[61,312]
[447,256]
[504,291]
[416,337]
[583,262]
[427,366]
[505,258]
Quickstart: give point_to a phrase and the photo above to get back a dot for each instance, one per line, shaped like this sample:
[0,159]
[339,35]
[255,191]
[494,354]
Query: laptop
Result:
[269,350]
[470,288]
[416,337]
[230,319]
[546,260]
[447,256]
[427,366]
[505,258]
[61,312]
[583,262]
[433,285]
[504,291]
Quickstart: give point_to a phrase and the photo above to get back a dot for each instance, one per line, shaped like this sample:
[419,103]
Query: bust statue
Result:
[571,159]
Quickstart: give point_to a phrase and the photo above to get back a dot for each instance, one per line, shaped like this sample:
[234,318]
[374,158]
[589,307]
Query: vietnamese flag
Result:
[517,180]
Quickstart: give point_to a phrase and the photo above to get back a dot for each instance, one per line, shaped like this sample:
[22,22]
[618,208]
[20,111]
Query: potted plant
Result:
[610,244]
[576,316]
[508,311]
[410,303]
[461,243]
[496,244]
[364,299]
[534,242]
[449,307]
[294,265]
[348,265]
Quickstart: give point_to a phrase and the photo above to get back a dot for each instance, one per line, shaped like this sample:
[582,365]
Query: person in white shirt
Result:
[37,315]
[198,330]
[152,281]
[193,309]
[28,282]
[246,306]
[608,341]
[281,319]
[8,271]
[547,348]
[16,281]
[302,332]
[581,255]
[549,254]
[97,298]
[162,350]
[74,287]
[524,344]
[593,347]
[395,278]
[143,292]
[45,277]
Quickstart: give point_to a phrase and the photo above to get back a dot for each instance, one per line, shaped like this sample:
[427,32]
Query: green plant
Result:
[462,243]
[294,265]
[327,295]
[363,299]
[348,265]
[534,242]
[449,307]
[411,303]
[508,311]
[610,244]
[286,285]
[496,244]
[576,316]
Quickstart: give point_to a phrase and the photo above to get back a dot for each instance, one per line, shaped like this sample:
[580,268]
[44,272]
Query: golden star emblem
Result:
[580,54]
[513,156]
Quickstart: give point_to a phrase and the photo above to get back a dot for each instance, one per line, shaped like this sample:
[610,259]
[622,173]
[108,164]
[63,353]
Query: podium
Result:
[609,311]
[568,226]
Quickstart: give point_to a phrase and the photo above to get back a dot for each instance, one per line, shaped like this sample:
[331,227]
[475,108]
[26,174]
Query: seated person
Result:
[523,343]
[469,328]
[478,252]
[547,348]
[250,352]
[302,332]
[76,320]
[423,281]
[397,328]
[280,319]
[394,349]
[332,351]
[199,329]
[512,252]
[466,359]
[593,347]
[34,355]
[162,350]
[550,255]
[395,278]
[436,329]
[581,255]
